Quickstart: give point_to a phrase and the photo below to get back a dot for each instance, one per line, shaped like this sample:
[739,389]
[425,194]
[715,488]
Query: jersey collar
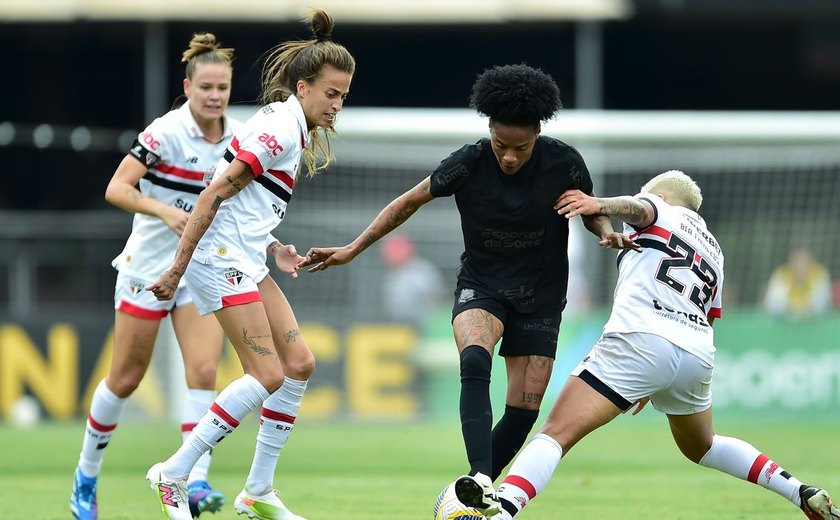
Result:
[187,119]
[297,110]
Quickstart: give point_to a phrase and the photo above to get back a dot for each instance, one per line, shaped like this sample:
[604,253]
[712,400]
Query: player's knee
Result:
[475,364]
[125,384]
[202,375]
[270,377]
[301,366]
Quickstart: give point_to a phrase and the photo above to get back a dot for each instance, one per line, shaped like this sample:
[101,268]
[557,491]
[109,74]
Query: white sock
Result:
[105,412]
[276,423]
[741,459]
[236,401]
[196,404]
[531,471]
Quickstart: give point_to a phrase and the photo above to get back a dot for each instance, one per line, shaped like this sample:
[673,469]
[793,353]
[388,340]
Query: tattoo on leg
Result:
[292,335]
[531,397]
[252,344]
[477,328]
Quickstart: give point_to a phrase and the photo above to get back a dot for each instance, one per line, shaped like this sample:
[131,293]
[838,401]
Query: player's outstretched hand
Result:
[575,202]
[287,259]
[319,258]
[616,240]
[165,286]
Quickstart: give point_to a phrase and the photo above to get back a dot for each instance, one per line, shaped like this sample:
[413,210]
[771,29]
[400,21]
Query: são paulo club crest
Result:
[233,276]
[136,286]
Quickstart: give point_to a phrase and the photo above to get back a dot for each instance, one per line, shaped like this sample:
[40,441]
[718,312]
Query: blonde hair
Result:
[203,48]
[292,61]
[679,188]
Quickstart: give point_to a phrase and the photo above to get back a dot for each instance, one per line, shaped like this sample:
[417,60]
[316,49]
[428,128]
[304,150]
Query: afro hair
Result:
[516,95]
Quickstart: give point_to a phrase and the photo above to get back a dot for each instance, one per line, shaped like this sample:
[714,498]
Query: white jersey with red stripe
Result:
[271,142]
[673,288]
[180,163]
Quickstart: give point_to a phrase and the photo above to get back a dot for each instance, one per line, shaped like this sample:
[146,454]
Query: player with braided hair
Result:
[514,270]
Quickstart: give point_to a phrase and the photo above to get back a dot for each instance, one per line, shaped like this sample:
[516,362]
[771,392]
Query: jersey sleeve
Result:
[264,143]
[579,172]
[153,145]
[454,171]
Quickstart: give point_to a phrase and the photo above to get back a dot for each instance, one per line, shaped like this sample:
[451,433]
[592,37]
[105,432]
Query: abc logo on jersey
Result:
[271,143]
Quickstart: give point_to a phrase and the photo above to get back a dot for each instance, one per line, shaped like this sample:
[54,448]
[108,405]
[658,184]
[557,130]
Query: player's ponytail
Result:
[292,61]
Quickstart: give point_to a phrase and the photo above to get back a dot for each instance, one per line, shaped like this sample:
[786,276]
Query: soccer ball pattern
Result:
[448,507]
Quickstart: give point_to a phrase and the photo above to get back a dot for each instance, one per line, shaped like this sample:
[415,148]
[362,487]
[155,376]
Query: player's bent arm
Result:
[598,225]
[232,181]
[634,211]
[122,190]
[393,215]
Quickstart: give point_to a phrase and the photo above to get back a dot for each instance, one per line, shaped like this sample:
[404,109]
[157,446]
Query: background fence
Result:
[770,182]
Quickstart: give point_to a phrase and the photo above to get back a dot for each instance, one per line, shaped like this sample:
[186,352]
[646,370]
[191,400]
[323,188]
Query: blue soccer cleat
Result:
[83,499]
[204,498]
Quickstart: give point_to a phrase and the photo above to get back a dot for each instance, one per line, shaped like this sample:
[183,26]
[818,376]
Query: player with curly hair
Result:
[514,270]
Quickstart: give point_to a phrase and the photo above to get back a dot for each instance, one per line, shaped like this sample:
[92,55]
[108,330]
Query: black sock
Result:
[508,506]
[509,435]
[476,412]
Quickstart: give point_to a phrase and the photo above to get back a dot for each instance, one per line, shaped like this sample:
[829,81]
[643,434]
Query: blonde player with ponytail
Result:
[159,181]
[305,84]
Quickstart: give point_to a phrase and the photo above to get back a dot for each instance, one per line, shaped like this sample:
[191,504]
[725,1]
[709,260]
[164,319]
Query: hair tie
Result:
[323,38]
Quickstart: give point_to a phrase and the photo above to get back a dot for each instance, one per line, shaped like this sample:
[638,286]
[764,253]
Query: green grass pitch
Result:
[362,471]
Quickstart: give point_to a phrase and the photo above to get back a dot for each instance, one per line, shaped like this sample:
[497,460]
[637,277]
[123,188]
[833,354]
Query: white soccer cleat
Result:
[171,494]
[478,492]
[816,504]
[263,507]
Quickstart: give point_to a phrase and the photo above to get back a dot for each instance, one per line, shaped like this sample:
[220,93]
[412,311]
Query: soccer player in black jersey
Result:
[514,271]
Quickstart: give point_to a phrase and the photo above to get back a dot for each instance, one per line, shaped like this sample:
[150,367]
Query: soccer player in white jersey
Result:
[169,161]
[304,85]
[657,346]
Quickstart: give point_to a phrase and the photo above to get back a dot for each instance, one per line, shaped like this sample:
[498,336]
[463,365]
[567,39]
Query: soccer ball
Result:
[448,507]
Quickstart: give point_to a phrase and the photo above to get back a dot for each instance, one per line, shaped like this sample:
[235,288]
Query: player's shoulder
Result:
[555,147]
[169,122]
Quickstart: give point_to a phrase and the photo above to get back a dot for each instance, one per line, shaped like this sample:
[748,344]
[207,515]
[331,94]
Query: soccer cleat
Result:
[478,492]
[203,498]
[816,504]
[263,507]
[83,498]
[171,494]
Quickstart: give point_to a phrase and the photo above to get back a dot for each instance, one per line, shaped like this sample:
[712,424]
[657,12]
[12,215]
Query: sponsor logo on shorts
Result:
[233,276]
[541,325]
[522,295]
[135,286]
[466,295]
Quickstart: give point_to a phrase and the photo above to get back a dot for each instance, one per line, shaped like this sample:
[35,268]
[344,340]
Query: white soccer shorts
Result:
[131,297]
[638,365]
[215,288]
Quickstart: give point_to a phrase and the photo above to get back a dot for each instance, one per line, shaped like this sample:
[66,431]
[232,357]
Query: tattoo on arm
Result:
[292,335]
[628,209]
[251,342]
